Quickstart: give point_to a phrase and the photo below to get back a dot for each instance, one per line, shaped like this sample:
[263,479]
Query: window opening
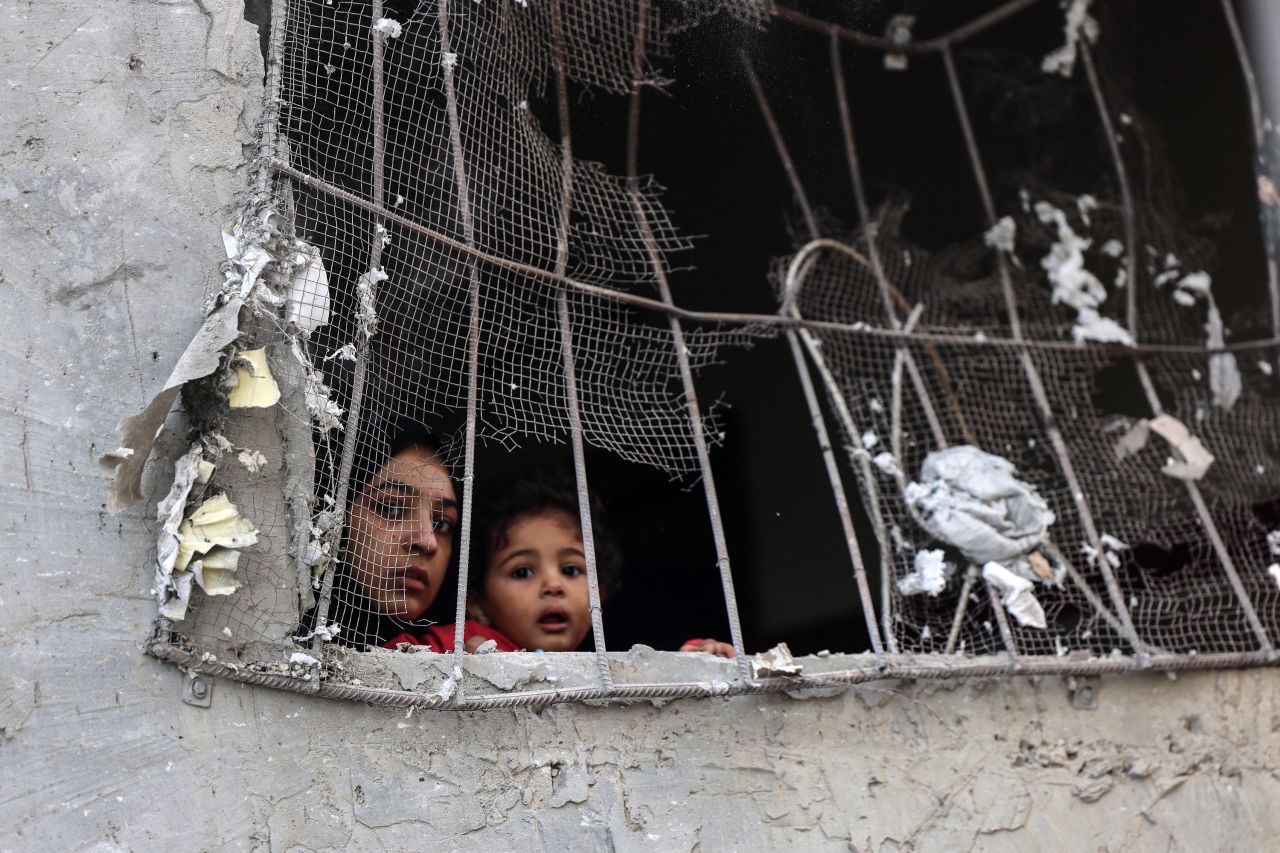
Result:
[993,372]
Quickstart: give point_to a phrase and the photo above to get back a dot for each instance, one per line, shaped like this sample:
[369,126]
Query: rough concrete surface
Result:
[121,150]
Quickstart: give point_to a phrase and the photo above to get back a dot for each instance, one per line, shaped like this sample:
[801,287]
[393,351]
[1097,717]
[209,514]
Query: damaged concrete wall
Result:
[120,154]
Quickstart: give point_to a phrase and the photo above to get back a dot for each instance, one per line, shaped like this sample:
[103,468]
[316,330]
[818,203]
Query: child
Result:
[531,589]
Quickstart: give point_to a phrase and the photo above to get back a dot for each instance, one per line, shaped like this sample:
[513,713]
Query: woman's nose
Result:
[424,534]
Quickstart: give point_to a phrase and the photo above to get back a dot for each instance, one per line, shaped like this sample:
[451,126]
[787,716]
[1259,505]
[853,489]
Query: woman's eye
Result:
[522,572]
[390,511]
[572,571]
[443,526]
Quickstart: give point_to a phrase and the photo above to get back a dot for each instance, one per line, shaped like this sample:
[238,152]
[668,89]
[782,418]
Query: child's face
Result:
[401,533]
[535,588]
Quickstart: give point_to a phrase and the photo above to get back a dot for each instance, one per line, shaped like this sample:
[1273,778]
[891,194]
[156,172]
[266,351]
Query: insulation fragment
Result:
[1195,458]
[255,387]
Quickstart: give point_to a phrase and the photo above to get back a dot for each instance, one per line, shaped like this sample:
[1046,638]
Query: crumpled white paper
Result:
[973,501]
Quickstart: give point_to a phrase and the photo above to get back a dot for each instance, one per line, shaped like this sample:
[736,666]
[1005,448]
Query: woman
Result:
[400,536]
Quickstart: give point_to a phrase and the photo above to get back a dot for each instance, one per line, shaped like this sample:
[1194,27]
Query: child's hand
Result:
[711,647]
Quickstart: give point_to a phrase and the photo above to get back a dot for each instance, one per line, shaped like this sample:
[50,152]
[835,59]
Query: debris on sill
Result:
[777,661]
[1274,571]
[139,432]
[930,577]
[1079,24]
[255,387]
[973,501]
[1194,458]
[303,658]
[1017,595]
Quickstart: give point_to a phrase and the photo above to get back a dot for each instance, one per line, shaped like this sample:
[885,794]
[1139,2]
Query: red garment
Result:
[439,638]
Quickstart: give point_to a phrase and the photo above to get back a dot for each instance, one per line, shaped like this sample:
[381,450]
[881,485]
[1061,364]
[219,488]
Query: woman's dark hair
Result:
[503,503]
[381,437]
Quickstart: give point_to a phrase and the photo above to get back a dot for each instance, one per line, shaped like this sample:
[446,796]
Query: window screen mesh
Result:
[421,152]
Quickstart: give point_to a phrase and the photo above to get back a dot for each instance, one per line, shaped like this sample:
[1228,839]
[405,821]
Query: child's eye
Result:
[522,572]
[572,571]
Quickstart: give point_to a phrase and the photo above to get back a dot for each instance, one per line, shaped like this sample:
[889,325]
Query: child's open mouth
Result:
[553,623]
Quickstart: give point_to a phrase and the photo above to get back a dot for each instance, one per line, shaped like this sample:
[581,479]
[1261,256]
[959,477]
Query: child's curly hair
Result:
[503,503]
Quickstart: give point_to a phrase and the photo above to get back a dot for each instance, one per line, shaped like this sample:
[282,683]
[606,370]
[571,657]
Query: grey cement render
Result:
[123,134]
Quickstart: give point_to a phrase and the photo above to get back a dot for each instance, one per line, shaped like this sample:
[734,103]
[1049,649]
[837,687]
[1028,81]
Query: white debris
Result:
[973,501]
[304,659]
[1196,282]
[324,410]
[870,439]
[1001,236]
[1109,541]
[486,647]
[248,260]
[888,465]
[1273,542]
[1092,326]
[1195,459]
[931,574]
[252,459]
[346,352]
[1263,365]
[1074,285]
[389,27]
[875,405]
[309,303]
[1079,24]
[449,60]
[1274,571]
[1224,372]
[1113,248]
[1017,595]
[1086,204]
[172,592]
[367,315]
[777,661]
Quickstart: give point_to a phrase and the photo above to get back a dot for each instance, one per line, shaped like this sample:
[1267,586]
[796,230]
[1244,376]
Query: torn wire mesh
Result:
[483,281]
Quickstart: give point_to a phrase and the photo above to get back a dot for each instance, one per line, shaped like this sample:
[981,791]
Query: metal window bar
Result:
[797,329]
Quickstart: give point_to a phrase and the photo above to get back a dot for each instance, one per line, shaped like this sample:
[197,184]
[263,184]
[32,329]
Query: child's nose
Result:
[552,583]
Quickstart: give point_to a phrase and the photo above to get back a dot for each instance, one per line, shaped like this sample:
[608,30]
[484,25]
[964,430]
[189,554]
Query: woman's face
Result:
[401,533]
